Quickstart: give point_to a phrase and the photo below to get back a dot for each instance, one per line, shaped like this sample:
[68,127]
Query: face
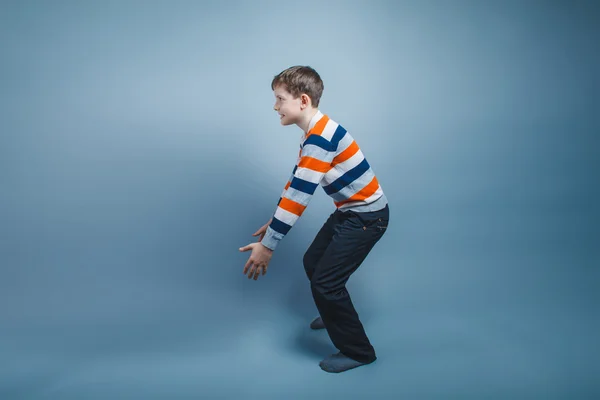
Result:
[288,108]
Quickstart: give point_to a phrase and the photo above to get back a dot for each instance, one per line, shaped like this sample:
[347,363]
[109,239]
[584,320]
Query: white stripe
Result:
[329,130]
[356,185]
[346,192]
[286,216]
[314,151]
[344,143]
[298,196]
[340,169]
[309,175]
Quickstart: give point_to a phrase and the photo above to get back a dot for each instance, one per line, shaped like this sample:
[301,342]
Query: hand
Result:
[262,230]
[258,261]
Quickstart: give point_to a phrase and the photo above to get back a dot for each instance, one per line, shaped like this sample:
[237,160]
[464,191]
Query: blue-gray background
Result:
[139,150]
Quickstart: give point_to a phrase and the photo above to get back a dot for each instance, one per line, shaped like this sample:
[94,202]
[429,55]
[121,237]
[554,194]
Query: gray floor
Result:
[463,321]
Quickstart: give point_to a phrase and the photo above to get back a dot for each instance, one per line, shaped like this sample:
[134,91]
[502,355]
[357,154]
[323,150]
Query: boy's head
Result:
[297,92]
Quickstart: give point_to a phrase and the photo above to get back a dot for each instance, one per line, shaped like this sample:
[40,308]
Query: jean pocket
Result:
[381,224]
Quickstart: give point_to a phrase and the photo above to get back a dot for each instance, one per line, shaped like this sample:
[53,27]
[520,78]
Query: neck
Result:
[305,122]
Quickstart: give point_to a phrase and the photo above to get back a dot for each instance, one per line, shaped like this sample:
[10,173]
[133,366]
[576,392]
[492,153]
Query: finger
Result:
[248,263]
[257,272]
[251,272]
[247,247]
[261,230]
[264,269]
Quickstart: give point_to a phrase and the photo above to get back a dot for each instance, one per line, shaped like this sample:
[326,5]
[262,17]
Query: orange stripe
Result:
[292,206]
[287,185]
[346,154]
[314,164]
[319,126]
[365,193]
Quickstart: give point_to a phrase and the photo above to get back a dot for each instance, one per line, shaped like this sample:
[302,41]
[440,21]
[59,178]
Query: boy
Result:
[328,157]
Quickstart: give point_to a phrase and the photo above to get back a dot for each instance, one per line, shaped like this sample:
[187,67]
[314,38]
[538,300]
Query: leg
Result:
[353,239]
[319,244]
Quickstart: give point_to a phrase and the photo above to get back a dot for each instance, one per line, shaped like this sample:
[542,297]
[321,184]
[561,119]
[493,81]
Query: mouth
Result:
[281,116]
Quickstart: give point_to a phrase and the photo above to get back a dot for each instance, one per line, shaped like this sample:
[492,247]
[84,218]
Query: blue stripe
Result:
[347,178]
[303,186]
[321,142]
[295,168]
[338,135]
[279,226]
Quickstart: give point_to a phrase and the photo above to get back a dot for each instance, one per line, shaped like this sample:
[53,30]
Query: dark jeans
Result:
[337,251]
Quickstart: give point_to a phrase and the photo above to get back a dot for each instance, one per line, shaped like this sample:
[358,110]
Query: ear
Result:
[305,101]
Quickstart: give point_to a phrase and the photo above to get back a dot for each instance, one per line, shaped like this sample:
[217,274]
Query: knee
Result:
[327,290]
[318,287]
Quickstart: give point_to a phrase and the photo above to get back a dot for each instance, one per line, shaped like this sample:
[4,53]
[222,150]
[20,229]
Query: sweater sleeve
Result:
[314,162]
[287,185]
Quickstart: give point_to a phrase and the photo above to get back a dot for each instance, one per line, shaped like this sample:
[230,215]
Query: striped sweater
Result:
[328,157]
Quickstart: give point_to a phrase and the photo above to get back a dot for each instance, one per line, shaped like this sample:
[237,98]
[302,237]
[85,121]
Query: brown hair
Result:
[300,79]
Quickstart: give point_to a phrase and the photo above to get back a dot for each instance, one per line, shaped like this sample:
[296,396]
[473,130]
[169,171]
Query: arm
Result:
[287,185]
[315,160]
